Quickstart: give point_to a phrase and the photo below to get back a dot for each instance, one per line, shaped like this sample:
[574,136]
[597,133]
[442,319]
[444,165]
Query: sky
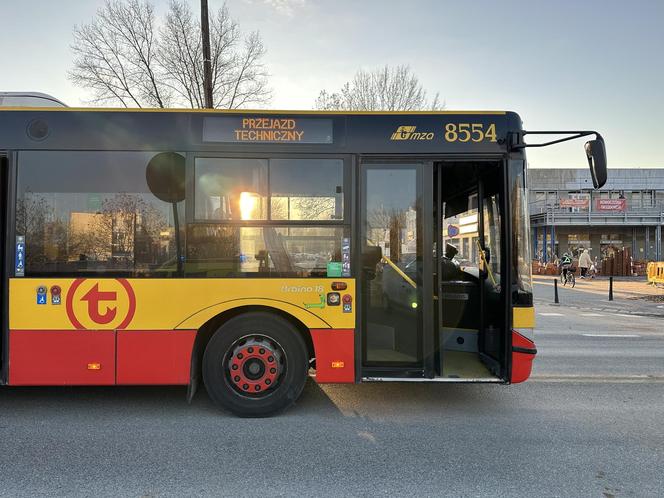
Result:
[562,65]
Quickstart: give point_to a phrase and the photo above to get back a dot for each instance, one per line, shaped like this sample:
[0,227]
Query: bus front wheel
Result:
[255,365]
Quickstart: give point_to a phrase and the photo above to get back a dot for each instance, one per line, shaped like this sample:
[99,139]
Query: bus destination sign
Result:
[232,129]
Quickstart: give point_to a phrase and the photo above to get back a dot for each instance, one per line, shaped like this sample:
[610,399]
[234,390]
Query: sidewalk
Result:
[631,295]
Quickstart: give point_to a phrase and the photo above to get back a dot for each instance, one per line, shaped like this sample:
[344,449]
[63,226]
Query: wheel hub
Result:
[254,366]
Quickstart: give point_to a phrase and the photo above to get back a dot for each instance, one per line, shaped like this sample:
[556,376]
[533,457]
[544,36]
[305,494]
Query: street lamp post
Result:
[207,63]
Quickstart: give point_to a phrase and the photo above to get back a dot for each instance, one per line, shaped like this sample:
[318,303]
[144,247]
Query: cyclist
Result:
[565,265]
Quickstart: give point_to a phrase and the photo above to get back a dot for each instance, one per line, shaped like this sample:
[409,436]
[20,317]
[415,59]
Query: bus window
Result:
[306,189]
[492,227]
[230,189]
[299,189]
[93,212]
[230,251]
[230,192]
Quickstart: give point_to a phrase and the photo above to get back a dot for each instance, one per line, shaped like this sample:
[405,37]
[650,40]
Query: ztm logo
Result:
[409,133]
[105,304]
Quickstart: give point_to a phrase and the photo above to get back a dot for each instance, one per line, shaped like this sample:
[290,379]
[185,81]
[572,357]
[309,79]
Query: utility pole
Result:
[207,62]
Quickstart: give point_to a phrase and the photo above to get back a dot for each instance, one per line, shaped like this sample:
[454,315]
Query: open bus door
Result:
[472,317]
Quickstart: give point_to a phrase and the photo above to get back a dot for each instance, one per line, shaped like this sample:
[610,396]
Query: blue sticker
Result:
[345,257]
[41,294]
[19,267]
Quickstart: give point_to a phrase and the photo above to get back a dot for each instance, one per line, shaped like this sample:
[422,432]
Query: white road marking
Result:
[591,314]
[611,335]
[551,314]
[597,378]
[628,316]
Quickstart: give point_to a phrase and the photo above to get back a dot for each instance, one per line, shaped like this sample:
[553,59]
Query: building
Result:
[568,215]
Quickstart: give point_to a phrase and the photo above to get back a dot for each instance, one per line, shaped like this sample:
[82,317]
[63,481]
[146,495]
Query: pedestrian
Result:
[593,268]
[584,263]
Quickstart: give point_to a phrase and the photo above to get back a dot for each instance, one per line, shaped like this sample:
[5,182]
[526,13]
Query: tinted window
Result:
[306,189]
[231,189]
[299,189]
[216,250]
[88,212]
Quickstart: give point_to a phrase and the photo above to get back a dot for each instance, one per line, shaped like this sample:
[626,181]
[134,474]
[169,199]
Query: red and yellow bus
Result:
[250,249]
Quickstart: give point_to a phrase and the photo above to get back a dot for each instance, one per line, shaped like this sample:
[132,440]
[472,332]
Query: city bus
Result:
[248,250]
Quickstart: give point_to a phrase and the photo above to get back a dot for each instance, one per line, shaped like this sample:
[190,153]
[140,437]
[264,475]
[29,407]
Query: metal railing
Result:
[563,216]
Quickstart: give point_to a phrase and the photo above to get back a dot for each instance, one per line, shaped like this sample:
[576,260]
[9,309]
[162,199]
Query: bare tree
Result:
[239,77]
[126,57]
[384,89]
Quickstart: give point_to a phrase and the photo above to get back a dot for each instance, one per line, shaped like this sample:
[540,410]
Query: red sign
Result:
[574,203]
[611,204]
[104,304]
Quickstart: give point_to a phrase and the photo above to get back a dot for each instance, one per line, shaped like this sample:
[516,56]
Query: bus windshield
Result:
[521,262]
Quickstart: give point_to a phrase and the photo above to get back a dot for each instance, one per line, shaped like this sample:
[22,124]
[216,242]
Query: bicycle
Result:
[567,277]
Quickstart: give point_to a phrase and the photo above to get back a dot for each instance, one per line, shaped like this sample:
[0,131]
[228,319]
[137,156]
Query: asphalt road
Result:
[573,342]
[589,423]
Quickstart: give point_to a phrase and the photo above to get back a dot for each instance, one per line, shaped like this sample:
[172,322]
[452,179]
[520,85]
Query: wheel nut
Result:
[240,356]
[250,350]
[236,378]
[234,367]
[245,387]
[267,381]
[273,370]
[261,350]
[258,388]
[270,359]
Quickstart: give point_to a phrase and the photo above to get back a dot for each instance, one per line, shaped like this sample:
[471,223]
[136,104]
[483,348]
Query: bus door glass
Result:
[391,235]
[468,277]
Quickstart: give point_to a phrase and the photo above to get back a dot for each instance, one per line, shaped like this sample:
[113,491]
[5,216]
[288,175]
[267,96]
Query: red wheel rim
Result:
[255,365]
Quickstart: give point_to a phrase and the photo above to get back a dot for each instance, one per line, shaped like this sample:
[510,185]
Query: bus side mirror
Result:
[596,153]
[165,175]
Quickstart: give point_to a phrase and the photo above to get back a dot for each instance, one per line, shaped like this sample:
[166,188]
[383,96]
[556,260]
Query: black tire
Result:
[282,347]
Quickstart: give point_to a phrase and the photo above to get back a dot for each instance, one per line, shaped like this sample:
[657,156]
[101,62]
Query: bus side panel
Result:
[61,357]
[335,355]
[154,356]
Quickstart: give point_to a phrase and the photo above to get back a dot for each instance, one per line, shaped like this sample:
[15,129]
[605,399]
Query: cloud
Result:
[287,7]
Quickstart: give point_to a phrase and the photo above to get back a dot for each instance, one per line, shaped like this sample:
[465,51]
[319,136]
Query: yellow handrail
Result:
[399,271]
[486,264]
[394,267]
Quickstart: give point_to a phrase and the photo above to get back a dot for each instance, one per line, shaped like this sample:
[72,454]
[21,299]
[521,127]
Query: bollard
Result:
[555,291]
[610,288]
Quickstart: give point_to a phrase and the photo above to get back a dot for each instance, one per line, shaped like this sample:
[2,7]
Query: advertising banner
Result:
[611,204]
[574,203]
